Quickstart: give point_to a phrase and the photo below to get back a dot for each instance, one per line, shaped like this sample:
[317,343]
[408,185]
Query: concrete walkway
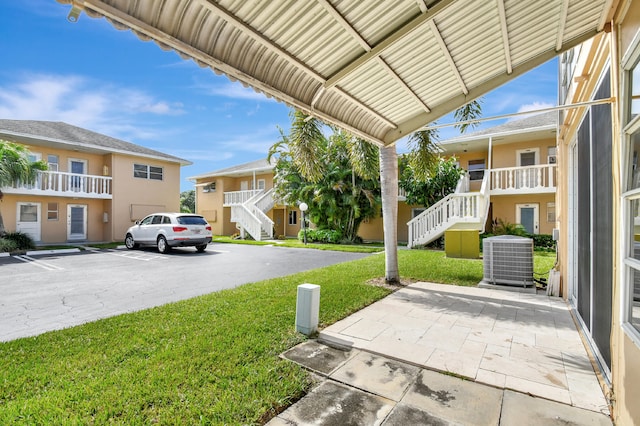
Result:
[520,355]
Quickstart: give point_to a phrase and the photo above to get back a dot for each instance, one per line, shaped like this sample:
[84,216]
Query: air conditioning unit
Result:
[508,260]
[551,159]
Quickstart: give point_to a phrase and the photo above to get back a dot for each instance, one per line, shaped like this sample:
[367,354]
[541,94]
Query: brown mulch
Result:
[380,282]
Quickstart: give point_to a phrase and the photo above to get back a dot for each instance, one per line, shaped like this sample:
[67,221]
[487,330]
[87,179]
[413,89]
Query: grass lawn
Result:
[294,243]
[208,360]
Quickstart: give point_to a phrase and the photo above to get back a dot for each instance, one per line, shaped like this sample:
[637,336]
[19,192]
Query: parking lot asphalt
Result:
[56,291]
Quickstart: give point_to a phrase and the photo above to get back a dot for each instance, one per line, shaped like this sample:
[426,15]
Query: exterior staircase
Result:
[248,210]
[460,210]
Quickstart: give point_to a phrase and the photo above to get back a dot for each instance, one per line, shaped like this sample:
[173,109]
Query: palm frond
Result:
[306,142]
[470,111]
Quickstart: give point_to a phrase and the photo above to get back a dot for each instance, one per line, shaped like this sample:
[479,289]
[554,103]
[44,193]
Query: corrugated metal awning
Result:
[379,68]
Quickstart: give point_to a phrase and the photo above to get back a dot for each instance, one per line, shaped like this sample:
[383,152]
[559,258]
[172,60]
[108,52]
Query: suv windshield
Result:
[191,220]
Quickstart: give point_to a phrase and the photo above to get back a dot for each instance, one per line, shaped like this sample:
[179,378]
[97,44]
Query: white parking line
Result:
[39,263]
[133,255]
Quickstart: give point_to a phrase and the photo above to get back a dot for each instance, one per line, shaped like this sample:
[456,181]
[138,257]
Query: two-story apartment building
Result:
[240,199]
[95,187]
[515,161]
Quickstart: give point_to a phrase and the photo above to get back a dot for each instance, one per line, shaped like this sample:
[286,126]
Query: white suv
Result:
[167,230]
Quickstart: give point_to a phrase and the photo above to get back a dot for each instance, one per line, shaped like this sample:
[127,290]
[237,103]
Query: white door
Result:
[78,167]
[77,222]
[28,220]
[527,216]
[244,185]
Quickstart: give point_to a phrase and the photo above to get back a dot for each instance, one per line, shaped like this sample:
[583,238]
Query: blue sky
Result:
[91,75]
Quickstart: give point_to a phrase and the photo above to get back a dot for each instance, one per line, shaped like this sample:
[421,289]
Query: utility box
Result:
[307,308]
[462,243]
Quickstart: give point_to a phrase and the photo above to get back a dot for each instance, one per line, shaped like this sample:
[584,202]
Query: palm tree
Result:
[15,166]
[337,174]
[304,146]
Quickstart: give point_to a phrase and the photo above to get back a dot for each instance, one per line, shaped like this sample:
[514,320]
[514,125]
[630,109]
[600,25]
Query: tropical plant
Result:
[337,176]
[20,239]
[503,227]
[441,179]
[15,166]
[303,150]
[188,201]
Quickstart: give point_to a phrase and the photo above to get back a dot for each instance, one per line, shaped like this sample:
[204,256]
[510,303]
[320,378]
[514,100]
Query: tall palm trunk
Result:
[389,189]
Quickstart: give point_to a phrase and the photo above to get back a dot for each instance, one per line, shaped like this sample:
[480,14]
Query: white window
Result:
[293,217]
[528,157]
[631,224]
[476,169]
[144,171]
[261,184]
[209,188]
[551,212]
[52,211]
[53,162]
[416,212]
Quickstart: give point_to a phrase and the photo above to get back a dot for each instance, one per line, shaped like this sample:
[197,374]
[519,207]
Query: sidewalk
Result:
[511,358]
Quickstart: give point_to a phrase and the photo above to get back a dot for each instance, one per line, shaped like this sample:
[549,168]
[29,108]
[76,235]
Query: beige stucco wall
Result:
[507,155]
[55,231]
[210,204]
[372,230]
[133,198]
[504,207]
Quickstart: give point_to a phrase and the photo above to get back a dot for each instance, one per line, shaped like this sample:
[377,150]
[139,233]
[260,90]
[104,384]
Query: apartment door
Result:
[28,220]
[77,167]
[76,222]
[528,216]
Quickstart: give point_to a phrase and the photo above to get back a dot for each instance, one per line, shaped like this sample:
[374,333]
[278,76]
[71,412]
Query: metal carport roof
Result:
[378,68]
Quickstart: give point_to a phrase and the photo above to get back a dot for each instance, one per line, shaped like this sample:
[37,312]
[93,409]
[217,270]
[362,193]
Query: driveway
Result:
[44,293]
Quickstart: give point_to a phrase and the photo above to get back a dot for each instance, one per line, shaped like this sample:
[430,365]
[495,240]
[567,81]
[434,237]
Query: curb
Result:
[60,251]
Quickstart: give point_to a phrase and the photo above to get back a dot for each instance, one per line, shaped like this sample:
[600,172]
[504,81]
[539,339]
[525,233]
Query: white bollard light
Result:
[307,308]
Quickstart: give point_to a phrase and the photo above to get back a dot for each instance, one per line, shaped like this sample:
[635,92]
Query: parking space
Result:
[43,293]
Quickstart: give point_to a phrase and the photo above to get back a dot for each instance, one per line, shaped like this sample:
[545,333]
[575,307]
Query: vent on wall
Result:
[508,260]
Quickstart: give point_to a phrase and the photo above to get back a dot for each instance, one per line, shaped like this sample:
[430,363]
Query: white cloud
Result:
[534,106]
[77,100]
[235,91]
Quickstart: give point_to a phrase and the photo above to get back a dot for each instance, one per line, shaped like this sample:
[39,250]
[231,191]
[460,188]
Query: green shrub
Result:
[22,240]
[543,241]
[7,246]
[320,236]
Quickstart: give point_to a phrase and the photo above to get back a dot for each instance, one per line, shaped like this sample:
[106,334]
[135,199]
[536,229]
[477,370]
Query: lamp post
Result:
[303,208]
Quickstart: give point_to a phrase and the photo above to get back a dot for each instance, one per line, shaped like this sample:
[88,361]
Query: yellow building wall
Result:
[507,155]
[134,198]
[504,208]
[55,231]
[211,204]
[373,230]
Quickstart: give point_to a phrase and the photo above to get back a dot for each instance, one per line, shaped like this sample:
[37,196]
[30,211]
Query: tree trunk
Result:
[389,189]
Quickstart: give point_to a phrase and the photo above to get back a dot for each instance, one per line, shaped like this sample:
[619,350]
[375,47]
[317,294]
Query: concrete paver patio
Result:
[520,341]
[511,358]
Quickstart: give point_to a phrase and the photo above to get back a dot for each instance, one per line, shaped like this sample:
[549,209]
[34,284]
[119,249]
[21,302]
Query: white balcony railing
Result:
[464,209]
[235,198]
[62,184]
[532,179]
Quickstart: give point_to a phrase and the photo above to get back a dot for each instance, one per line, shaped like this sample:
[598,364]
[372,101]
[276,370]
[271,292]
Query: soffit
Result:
[378,68]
